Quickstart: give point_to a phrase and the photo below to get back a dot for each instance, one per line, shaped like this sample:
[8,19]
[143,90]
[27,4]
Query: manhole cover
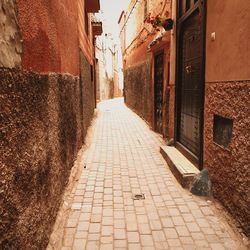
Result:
[139,197]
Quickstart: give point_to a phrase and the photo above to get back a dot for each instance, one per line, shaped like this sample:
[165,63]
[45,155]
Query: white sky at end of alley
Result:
[111,12]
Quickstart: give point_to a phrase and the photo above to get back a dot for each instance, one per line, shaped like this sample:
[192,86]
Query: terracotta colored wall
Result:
[85,40]
[227,58]
[228,95]
[50,35]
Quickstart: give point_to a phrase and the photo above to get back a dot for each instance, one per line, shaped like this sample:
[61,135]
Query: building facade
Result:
[47,102]
[110,75]
[206,90]
[144,55]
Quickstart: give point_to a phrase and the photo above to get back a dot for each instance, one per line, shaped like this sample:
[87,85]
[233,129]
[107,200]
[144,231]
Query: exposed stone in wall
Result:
[138,89]
[229,168]
[10,38]
[40,135]
[87,92]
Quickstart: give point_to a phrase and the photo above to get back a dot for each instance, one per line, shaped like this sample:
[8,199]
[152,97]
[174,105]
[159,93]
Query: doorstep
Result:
[183,170]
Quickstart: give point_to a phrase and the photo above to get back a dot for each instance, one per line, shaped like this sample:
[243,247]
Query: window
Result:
[223,130]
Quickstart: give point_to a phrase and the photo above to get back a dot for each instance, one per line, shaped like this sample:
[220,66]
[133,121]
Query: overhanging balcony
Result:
[92,6]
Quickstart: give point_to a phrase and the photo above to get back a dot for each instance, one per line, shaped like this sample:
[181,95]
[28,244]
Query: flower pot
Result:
[168,24]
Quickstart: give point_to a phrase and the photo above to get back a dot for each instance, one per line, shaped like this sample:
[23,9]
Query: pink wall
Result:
[50,35]
[227,58]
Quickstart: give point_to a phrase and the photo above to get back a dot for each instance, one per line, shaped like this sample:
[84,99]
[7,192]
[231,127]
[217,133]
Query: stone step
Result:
[183,170]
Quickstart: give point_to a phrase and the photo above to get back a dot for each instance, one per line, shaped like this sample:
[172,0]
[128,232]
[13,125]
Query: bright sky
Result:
[111,12]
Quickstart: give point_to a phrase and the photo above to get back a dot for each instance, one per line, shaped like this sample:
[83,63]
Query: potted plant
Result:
[160,21]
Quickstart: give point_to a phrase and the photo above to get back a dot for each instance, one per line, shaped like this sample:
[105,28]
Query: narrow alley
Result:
[124,124]
[123,161]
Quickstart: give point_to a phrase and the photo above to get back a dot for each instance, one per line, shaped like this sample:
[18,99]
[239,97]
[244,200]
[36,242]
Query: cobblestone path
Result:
[124,160]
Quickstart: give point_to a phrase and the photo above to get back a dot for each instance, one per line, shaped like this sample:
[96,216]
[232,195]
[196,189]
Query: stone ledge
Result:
[183,170]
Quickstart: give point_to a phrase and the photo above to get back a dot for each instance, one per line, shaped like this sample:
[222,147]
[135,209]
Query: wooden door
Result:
[191,82]
[190,91]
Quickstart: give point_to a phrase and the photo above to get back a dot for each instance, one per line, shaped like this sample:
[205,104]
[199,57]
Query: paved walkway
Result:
[124,160]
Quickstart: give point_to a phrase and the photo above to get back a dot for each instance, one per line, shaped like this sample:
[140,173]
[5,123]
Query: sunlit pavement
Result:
[122,161]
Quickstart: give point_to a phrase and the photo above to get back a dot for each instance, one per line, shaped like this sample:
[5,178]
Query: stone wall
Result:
[41,132]
[229,166]
[138,89]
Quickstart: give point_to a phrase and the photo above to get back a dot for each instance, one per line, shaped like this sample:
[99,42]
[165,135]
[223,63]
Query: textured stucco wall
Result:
[50,35]
[229,168]
[41,133]
[138,89]
[10,37]
[228,95]
[227,58]
[88,96]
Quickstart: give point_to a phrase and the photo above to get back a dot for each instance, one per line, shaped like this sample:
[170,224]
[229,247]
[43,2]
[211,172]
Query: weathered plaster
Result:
[138,89]
[10,37]
[229,167]
[41,131]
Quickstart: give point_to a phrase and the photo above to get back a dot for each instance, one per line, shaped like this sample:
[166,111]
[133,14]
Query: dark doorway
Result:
[190,84]
[158,90]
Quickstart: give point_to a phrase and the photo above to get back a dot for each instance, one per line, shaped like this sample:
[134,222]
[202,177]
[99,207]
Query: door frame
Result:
[200,6]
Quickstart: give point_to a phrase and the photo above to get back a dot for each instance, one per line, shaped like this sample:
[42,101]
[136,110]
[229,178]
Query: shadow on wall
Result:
[41,133]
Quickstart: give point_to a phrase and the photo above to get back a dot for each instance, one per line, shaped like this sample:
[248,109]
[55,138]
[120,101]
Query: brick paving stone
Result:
[133,246]
[158,236]
[68,241]
[120,234]
[79,244]
[171,233]
[94,227]
[107,230]
[71,223]
[155,225]
[81,235]
[107,239]
[178,221]
[106,247]
[120,244]
[83,226]
[94,237]
[144,229]
[147,240]
[132,226]
[133,237]
[123,160]
[93,245]
[192,227]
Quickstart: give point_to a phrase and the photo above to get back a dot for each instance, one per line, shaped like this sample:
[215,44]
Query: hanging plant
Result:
[160,21]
